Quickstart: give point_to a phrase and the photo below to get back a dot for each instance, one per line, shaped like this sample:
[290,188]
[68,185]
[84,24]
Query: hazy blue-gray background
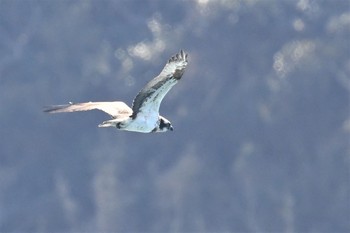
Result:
[261,116]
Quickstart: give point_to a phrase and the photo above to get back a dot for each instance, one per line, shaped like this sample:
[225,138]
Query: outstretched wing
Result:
[115,109]
[148,100]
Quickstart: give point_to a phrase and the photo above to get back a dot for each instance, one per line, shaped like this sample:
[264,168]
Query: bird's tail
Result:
[110,123]
[107,124]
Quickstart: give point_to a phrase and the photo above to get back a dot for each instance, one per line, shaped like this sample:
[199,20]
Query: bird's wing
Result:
[150,97]
[115,109]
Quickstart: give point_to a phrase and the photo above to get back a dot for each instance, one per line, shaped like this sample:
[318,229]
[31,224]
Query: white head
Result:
[163,125]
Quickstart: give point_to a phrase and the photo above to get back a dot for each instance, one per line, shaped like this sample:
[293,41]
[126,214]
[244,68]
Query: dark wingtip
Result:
[55,108]
[181,56]
[51,109]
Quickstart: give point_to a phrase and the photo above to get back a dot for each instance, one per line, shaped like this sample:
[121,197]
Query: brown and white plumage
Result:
[144,116]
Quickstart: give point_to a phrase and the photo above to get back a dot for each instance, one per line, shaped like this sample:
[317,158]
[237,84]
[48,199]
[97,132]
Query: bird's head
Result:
[163,125]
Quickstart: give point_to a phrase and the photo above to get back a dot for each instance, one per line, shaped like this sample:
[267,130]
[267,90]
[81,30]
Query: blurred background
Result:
[261,116]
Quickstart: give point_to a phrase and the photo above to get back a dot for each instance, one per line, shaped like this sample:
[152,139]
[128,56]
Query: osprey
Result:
[144,115]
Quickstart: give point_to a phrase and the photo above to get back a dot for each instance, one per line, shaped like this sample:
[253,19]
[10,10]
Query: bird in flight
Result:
[143,116]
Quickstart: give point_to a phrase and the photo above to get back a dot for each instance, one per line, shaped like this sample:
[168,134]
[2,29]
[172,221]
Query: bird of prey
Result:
[143,116]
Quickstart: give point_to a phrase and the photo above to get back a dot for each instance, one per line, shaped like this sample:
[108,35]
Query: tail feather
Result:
[107,124]
[111,123]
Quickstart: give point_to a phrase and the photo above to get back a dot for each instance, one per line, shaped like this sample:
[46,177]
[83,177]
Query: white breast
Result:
[143,123]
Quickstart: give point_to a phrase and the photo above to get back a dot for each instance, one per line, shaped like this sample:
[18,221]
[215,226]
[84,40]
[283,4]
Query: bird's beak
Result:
[171,128]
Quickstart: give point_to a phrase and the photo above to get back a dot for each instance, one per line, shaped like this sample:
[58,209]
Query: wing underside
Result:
[150,97]
[115,109]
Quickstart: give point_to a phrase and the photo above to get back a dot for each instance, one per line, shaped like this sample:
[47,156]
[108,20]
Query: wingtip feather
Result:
[181,56]
[56,108]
